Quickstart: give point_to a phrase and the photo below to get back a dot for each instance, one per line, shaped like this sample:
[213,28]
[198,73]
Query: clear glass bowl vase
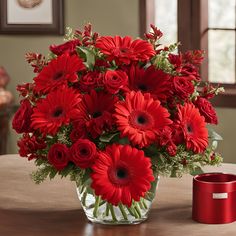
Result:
[100,211]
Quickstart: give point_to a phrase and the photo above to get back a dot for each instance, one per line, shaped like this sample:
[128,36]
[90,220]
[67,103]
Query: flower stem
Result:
[84,199]
[95,211]
[140,204]
[123,211]
[144,203]
[107,209]
[132,212]
[137,209]
[93,205]
[112,212]
[82,188]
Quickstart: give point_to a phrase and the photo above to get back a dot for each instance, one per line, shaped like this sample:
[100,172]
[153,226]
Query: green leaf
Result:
[67,170]
[151,151]
[40,161]
[123,141]
[89,56]
[86,176]
[106,138]
[52,173]
[196,171]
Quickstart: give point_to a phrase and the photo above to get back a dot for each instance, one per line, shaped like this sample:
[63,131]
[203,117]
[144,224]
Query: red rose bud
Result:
[206,109]
[183,87]
[115,80]
[58,156]
[172,149]
[68,47]
[83,153]
[22,118]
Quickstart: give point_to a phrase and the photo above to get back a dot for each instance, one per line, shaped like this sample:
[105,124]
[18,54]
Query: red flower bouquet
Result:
[114,113]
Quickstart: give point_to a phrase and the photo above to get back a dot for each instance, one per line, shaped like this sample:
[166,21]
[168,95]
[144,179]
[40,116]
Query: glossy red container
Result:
[214,198]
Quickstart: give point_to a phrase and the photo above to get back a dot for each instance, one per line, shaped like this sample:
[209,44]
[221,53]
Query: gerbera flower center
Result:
[58,112]
[142,87]
[119,175]
[58,76]
[97,114]
[189,128]
[141,120]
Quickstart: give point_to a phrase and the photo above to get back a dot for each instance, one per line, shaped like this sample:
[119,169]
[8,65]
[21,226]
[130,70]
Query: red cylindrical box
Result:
[214,198]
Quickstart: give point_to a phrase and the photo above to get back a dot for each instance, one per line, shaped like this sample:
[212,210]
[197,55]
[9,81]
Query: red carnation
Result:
[141,118]
[21,121]
[183,87]
[58,156]
[58,72]
[121,174]
[59,108]
[29,145]
[124,50]
[206,110]
[151,80]
[83,153]
[115,80]
[67,47]
[193,127]
[96,112]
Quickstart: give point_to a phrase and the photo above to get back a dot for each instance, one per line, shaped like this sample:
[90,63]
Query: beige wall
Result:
[108,17]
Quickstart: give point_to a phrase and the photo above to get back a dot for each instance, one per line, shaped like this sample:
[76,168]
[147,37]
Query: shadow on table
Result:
[73,222]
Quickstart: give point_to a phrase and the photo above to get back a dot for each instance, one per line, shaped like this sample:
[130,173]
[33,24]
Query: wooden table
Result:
[52,208]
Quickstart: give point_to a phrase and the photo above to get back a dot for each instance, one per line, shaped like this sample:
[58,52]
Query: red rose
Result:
[58,156]
[89,81]
[22,118]
[205,108]
[190,71]
[115,80]
[83,153]
[68,47]
[183,87]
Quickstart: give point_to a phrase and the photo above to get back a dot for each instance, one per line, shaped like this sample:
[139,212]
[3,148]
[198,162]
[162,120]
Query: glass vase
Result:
[100,211]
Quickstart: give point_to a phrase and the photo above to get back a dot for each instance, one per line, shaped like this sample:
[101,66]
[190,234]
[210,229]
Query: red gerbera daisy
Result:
[153,81]
[194,127]
[141,118]
[124,50]
[57,109]
[121,174]
[58,72]
[96,112]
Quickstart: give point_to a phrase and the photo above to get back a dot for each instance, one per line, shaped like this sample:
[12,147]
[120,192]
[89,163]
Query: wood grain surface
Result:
[52,208]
